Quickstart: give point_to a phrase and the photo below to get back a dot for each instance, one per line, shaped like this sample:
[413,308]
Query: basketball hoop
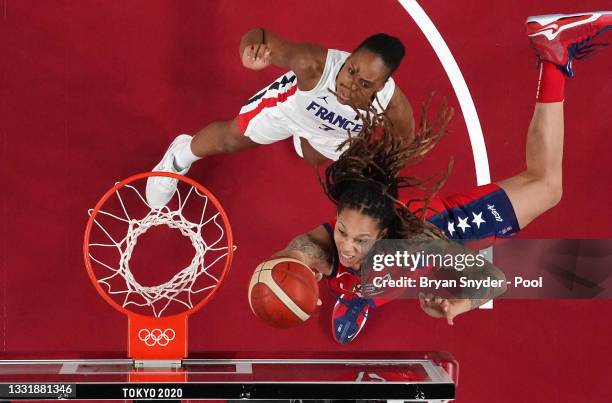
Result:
[157,314]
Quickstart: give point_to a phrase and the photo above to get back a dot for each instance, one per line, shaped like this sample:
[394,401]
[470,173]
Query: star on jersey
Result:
[463,224]
[478,219]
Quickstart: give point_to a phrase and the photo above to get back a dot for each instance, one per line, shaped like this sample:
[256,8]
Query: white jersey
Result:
[282,110]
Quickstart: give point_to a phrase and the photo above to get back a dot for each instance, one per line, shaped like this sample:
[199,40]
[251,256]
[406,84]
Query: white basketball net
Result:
[182,286]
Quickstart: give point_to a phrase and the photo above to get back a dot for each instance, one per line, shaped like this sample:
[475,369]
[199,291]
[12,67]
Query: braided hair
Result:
[366,177]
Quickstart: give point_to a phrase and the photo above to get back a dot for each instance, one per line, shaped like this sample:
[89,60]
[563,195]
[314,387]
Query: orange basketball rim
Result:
[157,335]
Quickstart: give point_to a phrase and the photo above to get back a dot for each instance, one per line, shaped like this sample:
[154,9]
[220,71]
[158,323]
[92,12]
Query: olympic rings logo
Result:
[156,336]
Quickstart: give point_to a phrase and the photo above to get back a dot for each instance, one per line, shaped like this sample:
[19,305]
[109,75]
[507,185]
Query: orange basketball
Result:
[283,292]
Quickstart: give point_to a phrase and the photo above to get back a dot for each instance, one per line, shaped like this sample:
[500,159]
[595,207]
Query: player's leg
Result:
[539,187]
[312,156]
[259,122]
[557,40]
[216,138]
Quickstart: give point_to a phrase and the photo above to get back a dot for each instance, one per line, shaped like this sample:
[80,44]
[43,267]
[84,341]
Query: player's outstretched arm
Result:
[466,298]
[399,111]
[314,249]
[259,48]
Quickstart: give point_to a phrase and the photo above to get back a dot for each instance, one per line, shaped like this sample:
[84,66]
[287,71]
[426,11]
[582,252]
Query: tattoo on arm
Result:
[308,246]
[487,271]
[484,294]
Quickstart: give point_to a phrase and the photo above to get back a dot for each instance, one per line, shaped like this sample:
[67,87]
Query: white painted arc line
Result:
[466,103]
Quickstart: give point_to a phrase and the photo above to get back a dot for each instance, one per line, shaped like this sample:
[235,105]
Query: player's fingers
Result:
[250,51]
[445,305]
[433,301]
[257,51]
[261,51]
[426,304]
[450,318]
[432,306]
[267,54]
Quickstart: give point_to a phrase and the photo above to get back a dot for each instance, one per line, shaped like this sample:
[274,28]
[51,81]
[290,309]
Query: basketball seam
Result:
[266,277]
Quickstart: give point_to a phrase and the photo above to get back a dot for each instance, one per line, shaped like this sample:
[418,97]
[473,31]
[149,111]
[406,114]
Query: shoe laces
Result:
[356,305]
[580,50]
[167,182]
[584,48]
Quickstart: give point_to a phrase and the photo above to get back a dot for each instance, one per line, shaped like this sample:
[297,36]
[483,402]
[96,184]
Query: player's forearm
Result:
[407,132]
[255,36]
[482,272]
[307,250]
[399,111]
[479,296]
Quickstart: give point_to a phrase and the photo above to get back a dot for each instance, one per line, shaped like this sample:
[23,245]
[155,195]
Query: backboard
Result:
[428,378]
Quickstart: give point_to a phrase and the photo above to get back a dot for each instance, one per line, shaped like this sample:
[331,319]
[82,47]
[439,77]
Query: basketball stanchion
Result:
[157,313]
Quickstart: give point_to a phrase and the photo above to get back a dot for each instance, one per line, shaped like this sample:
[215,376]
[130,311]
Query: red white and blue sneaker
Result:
[561,38]
[349,316]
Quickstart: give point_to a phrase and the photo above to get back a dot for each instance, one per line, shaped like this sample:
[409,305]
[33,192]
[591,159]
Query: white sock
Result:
[184,157]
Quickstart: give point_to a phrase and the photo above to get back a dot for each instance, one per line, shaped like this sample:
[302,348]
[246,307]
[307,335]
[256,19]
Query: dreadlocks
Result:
[366,176]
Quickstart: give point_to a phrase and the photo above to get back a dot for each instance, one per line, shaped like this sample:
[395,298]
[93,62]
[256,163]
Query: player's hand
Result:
[318,276]
[437,307]
[256,57]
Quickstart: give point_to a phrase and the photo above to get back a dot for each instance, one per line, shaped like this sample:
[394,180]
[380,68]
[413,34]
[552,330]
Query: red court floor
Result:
[93,91]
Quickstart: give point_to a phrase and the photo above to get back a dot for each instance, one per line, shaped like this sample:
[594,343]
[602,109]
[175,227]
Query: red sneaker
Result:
[560,38]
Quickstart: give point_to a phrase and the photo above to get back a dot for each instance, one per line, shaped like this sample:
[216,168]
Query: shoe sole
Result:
[356,333]
[548,18]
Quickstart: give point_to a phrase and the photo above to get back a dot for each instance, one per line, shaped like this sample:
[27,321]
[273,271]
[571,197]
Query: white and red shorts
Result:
[261,118]
[273,114]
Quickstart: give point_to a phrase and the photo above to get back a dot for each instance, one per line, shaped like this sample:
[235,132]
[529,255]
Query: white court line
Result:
[479,150]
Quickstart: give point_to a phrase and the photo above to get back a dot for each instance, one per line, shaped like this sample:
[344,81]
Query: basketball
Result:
[283,292]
